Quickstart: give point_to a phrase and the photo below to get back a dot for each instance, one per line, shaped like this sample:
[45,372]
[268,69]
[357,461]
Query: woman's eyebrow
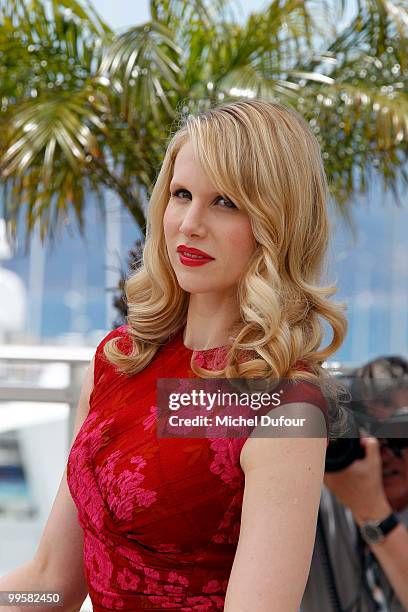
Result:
[174,184]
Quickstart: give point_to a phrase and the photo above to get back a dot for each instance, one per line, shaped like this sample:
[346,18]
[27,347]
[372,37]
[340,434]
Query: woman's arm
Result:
[30,577]
[58,563]
[283,479]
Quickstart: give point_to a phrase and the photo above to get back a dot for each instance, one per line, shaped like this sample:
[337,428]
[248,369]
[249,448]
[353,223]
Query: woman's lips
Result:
[193,261]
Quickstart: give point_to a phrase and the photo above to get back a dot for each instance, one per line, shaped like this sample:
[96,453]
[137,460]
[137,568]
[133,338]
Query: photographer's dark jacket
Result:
[355,573]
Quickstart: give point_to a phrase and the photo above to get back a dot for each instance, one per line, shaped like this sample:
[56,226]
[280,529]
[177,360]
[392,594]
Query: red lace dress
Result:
[161,516]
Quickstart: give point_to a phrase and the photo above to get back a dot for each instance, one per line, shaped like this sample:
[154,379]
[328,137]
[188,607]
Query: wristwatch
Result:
[373,532]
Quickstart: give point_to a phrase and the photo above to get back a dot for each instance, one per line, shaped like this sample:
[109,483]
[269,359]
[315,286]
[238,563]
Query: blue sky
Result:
[123,13]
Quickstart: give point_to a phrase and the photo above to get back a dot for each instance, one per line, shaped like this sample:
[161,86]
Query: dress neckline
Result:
[180,338]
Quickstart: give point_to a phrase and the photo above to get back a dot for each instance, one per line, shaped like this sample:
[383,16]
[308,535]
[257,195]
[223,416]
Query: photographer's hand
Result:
[360,487]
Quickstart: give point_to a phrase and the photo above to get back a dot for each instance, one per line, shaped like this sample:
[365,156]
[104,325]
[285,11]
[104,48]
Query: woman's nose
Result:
[193,221]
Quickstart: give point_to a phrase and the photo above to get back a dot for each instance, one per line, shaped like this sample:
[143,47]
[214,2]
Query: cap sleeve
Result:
[306,392]
[100,361]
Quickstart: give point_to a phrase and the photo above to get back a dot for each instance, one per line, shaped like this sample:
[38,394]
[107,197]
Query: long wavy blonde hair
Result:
[263,157]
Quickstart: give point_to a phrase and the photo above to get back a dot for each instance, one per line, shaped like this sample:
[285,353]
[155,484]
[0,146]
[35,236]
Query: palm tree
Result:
[84,108]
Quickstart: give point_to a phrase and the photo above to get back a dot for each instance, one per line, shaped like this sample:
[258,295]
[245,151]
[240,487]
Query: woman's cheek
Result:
[169,222]
[242,242]
[166,217]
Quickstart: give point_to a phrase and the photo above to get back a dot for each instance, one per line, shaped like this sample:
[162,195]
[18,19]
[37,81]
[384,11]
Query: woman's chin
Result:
[192,288]
[193,285]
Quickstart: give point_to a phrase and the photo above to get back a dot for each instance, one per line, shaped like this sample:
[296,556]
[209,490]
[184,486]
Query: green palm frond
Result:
[46,50]
[50,143]
[178,15]
[140,66]
[58,120]
[35,14]
[83,107]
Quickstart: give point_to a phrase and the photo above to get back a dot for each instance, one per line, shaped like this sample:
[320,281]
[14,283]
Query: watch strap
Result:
[375,531]
[389,523]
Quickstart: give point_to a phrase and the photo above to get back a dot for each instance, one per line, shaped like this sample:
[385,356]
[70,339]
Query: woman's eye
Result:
[228,203]
[176,193]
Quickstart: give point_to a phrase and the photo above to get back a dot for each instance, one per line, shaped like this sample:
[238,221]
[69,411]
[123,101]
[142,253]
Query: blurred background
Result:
[89,93]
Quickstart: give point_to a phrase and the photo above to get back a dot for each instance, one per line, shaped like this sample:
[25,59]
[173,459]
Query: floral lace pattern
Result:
[161,516]
[124,490]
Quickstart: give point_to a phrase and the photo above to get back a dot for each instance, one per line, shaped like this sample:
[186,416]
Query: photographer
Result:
[356,567]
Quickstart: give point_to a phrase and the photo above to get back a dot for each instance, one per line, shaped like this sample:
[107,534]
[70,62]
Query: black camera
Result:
[372,409]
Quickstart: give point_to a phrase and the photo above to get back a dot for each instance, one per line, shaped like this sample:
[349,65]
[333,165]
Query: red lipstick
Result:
[190,256]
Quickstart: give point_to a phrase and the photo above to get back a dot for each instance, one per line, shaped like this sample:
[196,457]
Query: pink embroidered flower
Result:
[199,359]
[218,601]
[151,580]
[127,580]
[169,602]
[228,529]
[174,577]
[80,474]
[218,538]
[211,359]
[123,491]
[224,464]
[212,586]
[98,563]
[151,419]
[97,434]
[203,604]
[174,589]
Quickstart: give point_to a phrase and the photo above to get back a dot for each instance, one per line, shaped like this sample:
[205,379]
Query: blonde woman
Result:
[228,287]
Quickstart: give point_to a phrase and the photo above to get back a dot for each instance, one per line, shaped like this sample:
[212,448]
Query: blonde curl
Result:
[264,157]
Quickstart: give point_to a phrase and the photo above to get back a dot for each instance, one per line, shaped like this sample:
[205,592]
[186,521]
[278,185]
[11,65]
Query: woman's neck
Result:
[209,321]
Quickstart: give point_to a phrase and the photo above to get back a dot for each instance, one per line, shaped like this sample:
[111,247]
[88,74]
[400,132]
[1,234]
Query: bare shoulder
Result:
[289,432]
